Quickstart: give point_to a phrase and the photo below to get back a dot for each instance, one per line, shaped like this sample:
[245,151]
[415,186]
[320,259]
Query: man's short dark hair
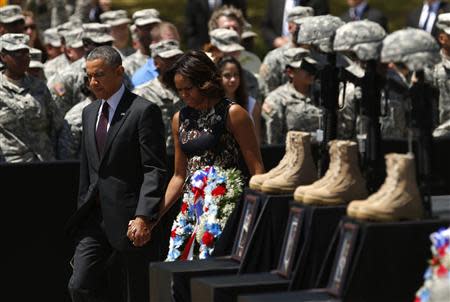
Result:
[108,54]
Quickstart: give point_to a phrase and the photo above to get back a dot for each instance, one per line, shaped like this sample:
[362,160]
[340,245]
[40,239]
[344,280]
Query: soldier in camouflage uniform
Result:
[69,87]
[29,121]
[441,72]
[165,53]
[69,141]
[70,36]
[120,31]
[146,22]
[11,19]
[73,51]
[226,42]
[36,68]
[52,43]
[271,72]
[289,107]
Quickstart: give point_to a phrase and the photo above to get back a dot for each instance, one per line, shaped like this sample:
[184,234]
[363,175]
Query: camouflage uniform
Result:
[272,70]
[443,130]
[29,121]
[167,101]
[69,87]
[116,18]
[134,61]
[286,109]
[138,59]
[10,14]
[69,141]
[54,65]
[441,80]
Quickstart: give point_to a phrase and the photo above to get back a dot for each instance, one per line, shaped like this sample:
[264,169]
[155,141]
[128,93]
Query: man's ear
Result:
[120,70]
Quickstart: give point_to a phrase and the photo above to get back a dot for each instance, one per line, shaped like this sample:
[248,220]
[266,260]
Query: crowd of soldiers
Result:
[41,102]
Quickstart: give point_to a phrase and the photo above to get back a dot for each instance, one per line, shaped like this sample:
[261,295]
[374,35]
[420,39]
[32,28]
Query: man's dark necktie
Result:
[102,129]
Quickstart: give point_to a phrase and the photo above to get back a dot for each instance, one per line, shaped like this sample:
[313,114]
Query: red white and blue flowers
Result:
[437,277]
[204,212]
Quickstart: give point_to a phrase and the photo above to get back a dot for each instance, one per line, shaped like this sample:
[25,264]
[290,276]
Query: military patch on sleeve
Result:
[59,89]
[266,108]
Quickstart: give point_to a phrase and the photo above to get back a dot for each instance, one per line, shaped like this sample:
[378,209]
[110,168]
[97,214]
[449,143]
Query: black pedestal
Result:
[263,219]
[373,262]
[306,240]
[318,295]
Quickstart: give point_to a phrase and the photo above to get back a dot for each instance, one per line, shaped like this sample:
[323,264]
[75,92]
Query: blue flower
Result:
[174,254]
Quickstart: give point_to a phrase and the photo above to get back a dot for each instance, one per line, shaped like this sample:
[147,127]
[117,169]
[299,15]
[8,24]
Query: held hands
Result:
[139,231]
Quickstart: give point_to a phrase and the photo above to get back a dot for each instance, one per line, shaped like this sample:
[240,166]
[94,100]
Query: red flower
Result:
[173,233]
[417,299]
[184,207]
[442,271]
[219,191]
[206,209]
[208,239]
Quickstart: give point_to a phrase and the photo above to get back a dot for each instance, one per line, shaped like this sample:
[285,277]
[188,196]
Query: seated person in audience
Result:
[289,107]
[164,53]
[235,89]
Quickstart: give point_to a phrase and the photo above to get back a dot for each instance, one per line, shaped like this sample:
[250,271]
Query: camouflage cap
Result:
[67,26]
[146,16]
[295,56]
[165,49]
[247,31]
[74,38]
[443,22]
[319,31]
[364,38]
[413,47]
[299,12]
[97,32]
[115,17]
[226,40]
[52,37]
[35,58]
[13,42]
[11,13]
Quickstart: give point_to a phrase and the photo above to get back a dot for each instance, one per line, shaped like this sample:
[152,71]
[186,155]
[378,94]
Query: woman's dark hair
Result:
[241,92]
[196,66]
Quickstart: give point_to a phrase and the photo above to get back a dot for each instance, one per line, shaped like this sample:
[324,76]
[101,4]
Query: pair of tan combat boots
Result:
[297,174]
[343,182]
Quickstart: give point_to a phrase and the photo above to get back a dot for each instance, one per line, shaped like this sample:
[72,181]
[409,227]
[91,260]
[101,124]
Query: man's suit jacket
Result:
[197,17]
[272,24]
[414,17]
[129,179]
[371,14]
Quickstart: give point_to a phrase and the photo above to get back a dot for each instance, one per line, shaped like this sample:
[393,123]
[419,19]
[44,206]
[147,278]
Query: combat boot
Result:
[301,190]
[345,184]
[353,206]
[257,180]
[402,200]
[299,170]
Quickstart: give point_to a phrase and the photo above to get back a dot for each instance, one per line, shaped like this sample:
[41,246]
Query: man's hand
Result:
[139,231]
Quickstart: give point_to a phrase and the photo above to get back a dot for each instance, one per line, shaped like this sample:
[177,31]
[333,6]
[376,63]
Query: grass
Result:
[173,11]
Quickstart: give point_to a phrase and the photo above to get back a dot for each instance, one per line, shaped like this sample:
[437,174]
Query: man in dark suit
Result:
[122,181]
[425,16]
[197,15]
[361,10]
[274,25]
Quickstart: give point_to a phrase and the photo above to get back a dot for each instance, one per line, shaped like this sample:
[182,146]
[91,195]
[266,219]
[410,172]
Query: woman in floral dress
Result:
[210,131]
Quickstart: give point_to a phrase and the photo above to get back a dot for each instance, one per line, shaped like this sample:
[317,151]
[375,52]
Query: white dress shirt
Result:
[113,101]
[288,5]
[432,11]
